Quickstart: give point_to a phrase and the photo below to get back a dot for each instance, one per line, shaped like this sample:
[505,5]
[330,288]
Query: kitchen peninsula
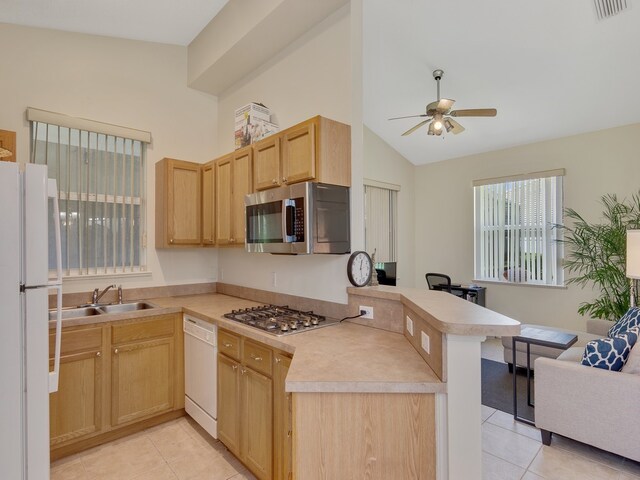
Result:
[371,405]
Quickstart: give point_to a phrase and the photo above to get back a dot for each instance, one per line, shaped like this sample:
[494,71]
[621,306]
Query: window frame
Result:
[544,233]
[99,146]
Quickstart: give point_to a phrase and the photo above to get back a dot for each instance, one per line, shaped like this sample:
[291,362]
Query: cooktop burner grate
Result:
[280,320]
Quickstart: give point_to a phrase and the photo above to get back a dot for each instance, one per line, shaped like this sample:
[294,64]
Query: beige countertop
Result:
[338,358]
[445,312]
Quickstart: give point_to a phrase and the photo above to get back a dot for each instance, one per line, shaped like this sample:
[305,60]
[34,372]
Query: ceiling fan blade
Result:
[455,127]
[411,130]
[409,116]
[475,112]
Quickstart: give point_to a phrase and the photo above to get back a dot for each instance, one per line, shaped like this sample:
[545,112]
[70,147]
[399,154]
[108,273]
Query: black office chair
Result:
[440,281]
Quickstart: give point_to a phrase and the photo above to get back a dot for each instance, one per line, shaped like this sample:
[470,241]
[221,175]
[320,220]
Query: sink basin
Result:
[75,312]
[125,307]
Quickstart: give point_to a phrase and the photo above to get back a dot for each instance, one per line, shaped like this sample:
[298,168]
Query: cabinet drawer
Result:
[155,327]
[77,341]
[229,344]
[258,357]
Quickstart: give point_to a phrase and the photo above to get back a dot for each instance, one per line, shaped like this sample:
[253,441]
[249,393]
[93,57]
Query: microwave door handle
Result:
[288,220]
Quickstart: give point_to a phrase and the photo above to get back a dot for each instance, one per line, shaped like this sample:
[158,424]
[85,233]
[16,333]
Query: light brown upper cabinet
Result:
[178,203]
[318,149]
[232,182]
[208,204]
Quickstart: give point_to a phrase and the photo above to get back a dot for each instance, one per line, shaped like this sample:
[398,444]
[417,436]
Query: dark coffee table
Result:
[536,336]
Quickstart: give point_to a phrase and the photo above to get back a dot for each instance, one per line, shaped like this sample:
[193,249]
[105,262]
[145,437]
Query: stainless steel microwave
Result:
[298,219]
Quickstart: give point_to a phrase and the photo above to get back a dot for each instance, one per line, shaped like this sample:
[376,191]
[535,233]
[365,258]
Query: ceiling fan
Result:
[439,113]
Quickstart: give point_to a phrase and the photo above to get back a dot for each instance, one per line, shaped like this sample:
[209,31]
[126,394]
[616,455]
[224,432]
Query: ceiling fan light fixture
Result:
[447,125]
[431,130]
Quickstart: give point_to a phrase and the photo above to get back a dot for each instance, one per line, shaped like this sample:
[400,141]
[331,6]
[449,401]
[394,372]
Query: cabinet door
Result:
[183,204]
[257,418]
[266,163]
[241,186]
[223,200]
[299,153]
[208,204]
[282,423]
[75,410]
[229,403]
[142,380]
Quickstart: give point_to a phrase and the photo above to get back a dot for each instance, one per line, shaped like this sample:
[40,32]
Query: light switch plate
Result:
[409,325]
[425,342]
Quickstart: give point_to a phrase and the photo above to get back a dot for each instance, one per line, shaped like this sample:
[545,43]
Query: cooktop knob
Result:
[306,322]
[284,327]
[314,321]
[293,326]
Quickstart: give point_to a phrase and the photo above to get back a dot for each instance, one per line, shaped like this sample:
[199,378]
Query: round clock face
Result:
[359,268]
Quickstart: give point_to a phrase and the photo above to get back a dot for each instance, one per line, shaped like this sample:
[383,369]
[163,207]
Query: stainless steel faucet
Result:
[119,293]
[95,298]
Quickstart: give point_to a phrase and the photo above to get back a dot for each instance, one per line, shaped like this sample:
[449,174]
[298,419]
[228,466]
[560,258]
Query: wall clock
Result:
[359,268]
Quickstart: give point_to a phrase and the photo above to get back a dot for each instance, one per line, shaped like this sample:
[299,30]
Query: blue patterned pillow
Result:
[610,353]
[627,321]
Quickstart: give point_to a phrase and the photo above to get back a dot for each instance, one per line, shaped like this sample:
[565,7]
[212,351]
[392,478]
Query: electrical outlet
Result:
[274,279]
[409,325]
[368,312]
[425,342]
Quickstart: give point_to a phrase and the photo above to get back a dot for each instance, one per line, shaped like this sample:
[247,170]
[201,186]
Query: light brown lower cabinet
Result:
[254,412]
[115,378]
[75,410]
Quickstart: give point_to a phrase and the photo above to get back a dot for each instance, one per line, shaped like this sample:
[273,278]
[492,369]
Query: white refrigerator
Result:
[25,376]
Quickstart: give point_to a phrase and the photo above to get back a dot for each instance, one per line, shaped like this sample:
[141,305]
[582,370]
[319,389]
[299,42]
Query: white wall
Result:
[384,164]
[311,77]
[135,84]
[596,163]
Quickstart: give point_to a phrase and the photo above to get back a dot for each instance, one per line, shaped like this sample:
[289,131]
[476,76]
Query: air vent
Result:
[609,8]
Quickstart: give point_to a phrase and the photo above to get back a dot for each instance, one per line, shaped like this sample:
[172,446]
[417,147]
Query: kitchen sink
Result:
[75,312]
[125,307]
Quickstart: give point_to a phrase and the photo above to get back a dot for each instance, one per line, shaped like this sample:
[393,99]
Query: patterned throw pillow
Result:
[627,321]
[610,353]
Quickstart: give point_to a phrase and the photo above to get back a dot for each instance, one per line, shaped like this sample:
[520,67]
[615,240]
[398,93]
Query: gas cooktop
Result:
[280,320]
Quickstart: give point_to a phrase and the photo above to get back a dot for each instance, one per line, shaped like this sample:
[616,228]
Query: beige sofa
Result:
[594,406]
[595,329]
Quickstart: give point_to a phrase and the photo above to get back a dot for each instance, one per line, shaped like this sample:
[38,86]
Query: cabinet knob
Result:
[235,367]
[98,354]
[115,351]
[171,240]
[278,360]
[243,371]
[284,179]
[255,357]
[274,181]
[227,345]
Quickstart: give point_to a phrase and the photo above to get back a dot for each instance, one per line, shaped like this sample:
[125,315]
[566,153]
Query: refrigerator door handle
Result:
[57,284]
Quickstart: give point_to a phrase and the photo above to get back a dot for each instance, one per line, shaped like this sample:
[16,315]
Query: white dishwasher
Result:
[201,372]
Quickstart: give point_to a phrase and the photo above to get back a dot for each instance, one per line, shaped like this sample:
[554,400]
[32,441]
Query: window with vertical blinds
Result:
[380,206]
[515,238]
[101,187]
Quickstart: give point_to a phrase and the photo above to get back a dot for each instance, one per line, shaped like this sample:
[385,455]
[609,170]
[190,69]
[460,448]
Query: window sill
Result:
[523,284]
[91,276]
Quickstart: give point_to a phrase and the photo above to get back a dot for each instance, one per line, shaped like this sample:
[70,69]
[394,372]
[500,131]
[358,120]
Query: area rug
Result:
[497,388]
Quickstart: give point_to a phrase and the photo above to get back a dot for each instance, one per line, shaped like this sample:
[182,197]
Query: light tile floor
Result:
[176,450]
[182,450]
[513,450]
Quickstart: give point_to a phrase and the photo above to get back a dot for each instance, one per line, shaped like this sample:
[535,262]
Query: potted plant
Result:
[595,253]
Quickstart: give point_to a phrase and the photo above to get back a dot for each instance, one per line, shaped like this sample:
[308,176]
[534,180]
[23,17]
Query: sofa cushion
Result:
[628,320]
[632,365]
[572,354]
[610,353]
